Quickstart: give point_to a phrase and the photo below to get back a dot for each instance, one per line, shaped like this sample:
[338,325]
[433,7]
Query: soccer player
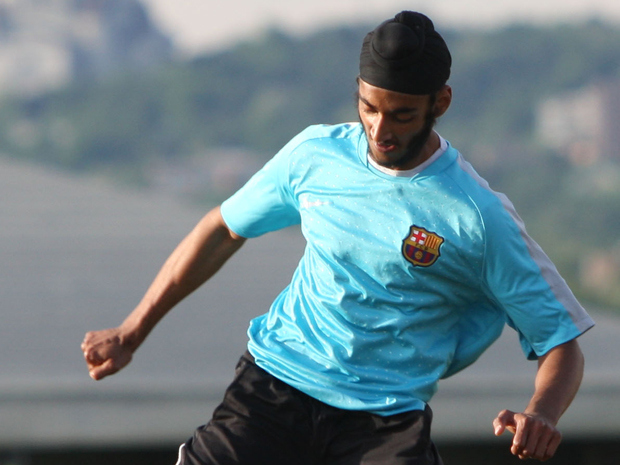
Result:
[413,266]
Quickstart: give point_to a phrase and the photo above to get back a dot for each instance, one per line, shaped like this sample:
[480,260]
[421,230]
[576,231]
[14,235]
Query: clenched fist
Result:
[106,352]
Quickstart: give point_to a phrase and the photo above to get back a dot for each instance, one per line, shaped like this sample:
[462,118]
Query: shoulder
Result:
[320,143]
[324,133]
[477,203]
[473,187]
[312,147]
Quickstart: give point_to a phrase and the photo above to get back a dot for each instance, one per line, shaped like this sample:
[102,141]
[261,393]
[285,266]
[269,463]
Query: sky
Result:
[203,25]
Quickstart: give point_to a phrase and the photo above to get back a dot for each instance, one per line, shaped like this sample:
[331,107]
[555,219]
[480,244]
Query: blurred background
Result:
[123,121]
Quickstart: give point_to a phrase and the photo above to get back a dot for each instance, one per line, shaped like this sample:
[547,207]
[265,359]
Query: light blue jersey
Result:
[404,280]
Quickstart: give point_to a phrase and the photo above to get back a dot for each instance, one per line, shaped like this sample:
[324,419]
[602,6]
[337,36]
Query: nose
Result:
[380,129]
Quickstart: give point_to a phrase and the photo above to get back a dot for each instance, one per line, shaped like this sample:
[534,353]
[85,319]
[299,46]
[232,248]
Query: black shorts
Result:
[263,421]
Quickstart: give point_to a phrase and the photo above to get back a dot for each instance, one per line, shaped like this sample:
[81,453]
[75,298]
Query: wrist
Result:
[132,333]
[546,412]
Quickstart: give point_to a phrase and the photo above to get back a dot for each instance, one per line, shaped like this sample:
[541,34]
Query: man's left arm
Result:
[558,378]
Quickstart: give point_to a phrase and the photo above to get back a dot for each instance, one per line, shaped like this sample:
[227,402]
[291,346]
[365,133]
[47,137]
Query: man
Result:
[412,268]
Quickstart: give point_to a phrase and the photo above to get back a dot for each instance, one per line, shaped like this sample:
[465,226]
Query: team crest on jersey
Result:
[421,247]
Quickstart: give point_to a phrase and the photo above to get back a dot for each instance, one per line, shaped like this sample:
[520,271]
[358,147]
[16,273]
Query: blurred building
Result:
[45,44]
[583,124]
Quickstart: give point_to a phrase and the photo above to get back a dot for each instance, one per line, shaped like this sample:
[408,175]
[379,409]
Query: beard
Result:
[416,145]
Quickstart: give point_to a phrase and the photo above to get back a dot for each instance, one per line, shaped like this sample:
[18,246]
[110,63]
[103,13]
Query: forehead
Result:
[379,97]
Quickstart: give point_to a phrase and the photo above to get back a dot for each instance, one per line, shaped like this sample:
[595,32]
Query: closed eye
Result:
[405,116]
[399,115]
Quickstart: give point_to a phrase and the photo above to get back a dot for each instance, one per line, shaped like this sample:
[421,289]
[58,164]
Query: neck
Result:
[432,145]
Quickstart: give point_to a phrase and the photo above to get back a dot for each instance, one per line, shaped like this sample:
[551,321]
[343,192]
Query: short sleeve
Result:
[524,282]
[265,202]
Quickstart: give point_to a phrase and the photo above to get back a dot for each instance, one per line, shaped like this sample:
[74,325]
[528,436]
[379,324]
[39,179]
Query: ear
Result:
[443,101]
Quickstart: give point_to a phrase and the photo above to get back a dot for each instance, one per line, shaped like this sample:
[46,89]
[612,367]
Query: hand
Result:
[105,352]
[535,437]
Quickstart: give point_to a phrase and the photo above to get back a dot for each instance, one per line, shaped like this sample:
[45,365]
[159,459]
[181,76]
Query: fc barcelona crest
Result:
[421,247]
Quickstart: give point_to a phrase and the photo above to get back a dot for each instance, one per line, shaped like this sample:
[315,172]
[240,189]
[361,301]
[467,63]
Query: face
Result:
[399,126]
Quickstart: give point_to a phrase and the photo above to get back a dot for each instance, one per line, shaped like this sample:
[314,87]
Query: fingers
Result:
[504,421]
[534,436]
[107,368]
[104,353]
[100,367]
[90,344]
[93,350]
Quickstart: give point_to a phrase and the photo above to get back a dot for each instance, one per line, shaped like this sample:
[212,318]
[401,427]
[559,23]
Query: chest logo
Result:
[421,247]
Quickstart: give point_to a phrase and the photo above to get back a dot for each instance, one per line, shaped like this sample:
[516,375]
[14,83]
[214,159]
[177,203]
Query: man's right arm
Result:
[193,262]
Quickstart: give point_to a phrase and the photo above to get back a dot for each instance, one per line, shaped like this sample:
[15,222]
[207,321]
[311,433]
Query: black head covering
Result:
[405,54]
